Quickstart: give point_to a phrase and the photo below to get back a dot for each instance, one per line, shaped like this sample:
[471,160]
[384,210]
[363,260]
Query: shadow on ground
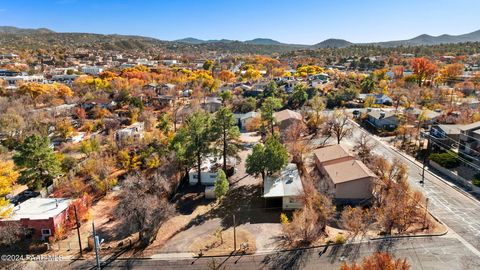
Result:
[246,203]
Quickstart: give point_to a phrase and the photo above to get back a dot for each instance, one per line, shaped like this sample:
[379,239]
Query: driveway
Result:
[241,178]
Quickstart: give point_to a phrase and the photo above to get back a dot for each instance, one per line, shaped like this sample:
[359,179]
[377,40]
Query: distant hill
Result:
[341,43]
[190,40]
[332,43]
[15,37]
[263,41]
[16,30]
[432,40]
[256,41]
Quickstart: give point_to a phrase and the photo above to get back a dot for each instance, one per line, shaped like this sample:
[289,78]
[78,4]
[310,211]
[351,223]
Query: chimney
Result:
[382,114]
[56,203]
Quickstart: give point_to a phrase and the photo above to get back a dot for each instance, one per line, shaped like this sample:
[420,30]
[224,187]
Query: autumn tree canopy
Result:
[423,69]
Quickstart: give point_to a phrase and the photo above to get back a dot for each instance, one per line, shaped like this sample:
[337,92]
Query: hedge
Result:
[448,159]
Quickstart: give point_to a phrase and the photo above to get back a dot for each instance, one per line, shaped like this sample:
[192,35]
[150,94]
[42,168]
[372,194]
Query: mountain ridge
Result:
[419,40]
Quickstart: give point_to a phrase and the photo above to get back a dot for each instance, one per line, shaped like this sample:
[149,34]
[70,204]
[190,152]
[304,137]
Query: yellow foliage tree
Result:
[252,74]
[62,90]
[65,128]
[8,176]
[306,70]
[34,90]
[226,76]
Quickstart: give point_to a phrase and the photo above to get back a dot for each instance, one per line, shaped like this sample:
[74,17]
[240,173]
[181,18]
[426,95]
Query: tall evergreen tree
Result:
[269,106]
[39,164]
[193,139]
[267,159]
[225,133]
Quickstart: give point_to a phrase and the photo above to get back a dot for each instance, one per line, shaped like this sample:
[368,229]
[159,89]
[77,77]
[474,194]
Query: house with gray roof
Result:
[383,120]
[284,187]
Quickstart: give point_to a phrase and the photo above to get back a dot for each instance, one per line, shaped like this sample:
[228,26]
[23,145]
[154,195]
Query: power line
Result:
[457,142]
[459,157]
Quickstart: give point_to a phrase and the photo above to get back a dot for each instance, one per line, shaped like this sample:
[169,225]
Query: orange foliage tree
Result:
[423,69]
[82,206]
[451,72]
[226,76]
[378,261]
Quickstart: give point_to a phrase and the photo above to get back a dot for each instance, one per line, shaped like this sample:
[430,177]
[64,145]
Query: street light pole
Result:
[234,235]
[426,212]
[96,246]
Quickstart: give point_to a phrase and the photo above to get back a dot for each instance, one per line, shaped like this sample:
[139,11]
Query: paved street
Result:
[422,253]
[457,210]
[459,249]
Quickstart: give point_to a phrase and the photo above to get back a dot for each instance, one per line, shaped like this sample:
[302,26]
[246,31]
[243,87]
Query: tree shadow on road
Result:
[385,245]
[289,255]
[246,203]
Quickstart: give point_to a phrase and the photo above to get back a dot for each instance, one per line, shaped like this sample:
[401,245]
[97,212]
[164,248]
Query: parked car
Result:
[23,196]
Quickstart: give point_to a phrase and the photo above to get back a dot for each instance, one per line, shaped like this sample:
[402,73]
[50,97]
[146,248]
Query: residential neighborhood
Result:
[131,151]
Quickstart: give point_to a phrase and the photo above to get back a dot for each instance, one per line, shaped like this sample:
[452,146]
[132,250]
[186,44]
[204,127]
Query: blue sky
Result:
[292,21]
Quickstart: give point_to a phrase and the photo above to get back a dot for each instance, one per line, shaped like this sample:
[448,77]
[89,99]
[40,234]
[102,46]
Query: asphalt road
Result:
[459,249]
[421,253]
[457,210]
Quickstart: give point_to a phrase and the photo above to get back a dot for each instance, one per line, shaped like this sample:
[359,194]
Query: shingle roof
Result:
[471,126]
[346,171]
[287,114]
[377,114]
[450,129]
[331,152]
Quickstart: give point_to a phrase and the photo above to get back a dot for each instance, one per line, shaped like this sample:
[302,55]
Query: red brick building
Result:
[40,216]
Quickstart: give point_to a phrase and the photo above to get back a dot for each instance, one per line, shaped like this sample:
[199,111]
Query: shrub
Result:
[90,146]
[476,180]
[284,218]
[340,239]
[68,163]
[448,159]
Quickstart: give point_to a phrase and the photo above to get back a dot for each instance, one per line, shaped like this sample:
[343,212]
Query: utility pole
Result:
[78,231]
[97,246]
[234,234]
[425,158]
[426,212]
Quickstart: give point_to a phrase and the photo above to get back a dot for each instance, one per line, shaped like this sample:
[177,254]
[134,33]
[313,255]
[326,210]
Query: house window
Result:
[46,232]
[292,200]
[195,176]
[213,176]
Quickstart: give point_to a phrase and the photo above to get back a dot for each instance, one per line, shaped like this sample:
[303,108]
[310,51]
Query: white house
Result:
[209,168]
[132,132]
[13,81]
[286,185]
[170,62]
[92,70]
[242,119]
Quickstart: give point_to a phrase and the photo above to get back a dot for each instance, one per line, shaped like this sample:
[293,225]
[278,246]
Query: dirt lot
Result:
[105,226]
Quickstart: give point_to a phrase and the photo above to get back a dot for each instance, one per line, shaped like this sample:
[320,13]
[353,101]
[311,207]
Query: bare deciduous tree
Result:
[356,220]
[396,206]
[11,233]
[309,223]
[364,146]
[143,205]
[296,145]
[337,126]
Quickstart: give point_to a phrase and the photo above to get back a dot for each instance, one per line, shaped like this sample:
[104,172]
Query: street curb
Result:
[413,235]
[273,251]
